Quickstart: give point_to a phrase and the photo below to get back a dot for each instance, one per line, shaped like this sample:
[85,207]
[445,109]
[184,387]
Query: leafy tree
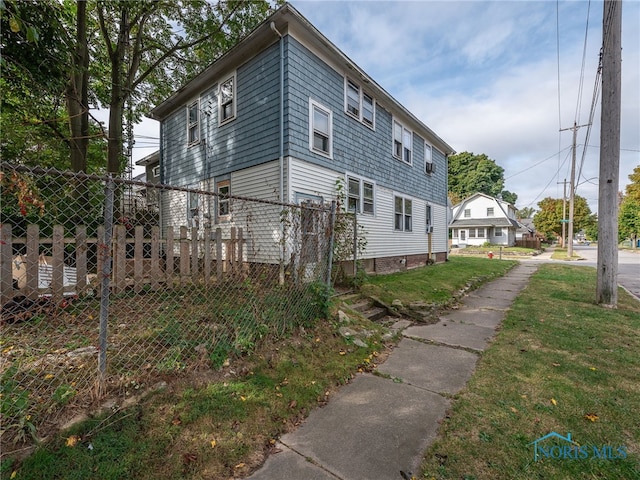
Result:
[140,50]
[629,212]
[591,230]
[33,77]
[547,219]
[509,197]
[526,212]
[147,48]
[470,173]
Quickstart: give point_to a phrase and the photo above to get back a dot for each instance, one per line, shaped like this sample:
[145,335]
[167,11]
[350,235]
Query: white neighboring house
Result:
[481,218]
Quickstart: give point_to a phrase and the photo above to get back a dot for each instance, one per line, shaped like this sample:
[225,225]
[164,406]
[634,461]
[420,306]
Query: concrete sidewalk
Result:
[377,426]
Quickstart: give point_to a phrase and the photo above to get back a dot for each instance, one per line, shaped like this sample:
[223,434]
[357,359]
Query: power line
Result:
[553,177]
[537,163]
[558,73]
[584,56]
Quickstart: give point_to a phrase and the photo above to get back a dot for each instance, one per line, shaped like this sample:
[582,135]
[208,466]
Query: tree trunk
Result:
[76,94]
[117,100]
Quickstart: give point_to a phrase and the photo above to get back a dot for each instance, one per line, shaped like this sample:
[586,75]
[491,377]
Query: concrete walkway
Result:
[380,425]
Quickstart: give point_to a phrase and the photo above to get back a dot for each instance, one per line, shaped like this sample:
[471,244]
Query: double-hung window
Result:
[490,212]
[497,231]
[403,209]
[353,99]
[429,219]
[429,166]
[193,125]
[223,189]
[359,104]
[402,143]
[360,195]
[320,129]
[353,194]
[472,233]
[467,213]
[227,100]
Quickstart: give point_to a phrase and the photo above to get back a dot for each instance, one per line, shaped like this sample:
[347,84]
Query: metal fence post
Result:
[332,224]
[105,283]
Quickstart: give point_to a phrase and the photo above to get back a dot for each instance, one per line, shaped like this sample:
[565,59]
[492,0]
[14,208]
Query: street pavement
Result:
[628,265]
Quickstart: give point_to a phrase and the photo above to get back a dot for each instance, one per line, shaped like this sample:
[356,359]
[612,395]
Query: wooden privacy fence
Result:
[172,260]
[529,243]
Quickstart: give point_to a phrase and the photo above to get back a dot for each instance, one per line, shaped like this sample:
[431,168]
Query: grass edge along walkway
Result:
[560,365]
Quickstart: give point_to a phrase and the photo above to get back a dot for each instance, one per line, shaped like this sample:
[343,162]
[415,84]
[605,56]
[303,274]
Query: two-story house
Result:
[285,115]
[481,218]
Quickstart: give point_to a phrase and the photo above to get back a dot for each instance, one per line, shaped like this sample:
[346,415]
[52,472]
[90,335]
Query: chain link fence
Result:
[108,285]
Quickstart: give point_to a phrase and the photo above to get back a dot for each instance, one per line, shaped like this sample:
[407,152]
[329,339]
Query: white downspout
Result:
[282,196]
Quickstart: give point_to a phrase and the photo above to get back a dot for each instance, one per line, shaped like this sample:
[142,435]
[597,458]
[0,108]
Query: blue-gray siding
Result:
[253,137]
[356,148]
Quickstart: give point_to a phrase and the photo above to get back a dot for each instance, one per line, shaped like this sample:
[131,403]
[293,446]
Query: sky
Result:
[495,77]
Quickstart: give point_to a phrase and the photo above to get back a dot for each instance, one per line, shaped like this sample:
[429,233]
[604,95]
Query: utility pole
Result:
[564,213]
[572,190]
[607,283]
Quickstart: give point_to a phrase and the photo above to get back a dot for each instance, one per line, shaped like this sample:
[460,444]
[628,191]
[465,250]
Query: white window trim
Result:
[219,199]
[428,160]
[190,105]
[234,100]
[155,171]
[362,181]
[393,150]
[464,213]
[361,94]
[404,199]
[313,104]
[428,208]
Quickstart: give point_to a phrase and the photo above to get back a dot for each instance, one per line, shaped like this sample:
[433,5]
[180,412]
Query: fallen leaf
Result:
[13,474]
[592,417]
[213,444]
[240,465]
[514,409]
[176,421]
[554,401]
[72,441]
[189,457]
[555,364]
[342,352]
[593,368]
[49,376]
[243,398]
[293,404]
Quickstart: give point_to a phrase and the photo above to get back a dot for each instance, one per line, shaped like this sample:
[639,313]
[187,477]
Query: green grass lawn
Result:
[561,254]
[436,283]
[559,364]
